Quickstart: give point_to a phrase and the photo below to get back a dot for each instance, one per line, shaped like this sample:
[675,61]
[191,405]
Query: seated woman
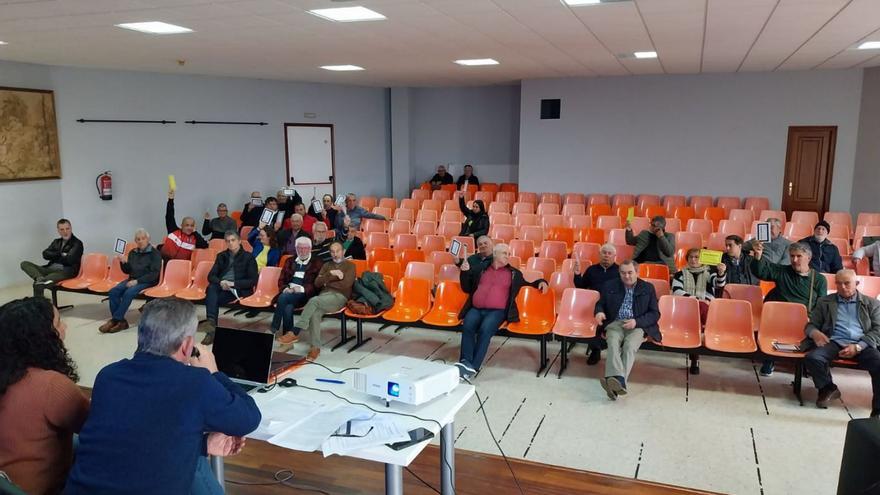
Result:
[297,285]
[701,282]
[142,264]
[353,245]
[476,219]
[265,243]
[41,406]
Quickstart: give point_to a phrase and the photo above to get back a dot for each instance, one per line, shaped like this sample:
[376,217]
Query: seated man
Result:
[702,283]
[220,225]
[62,259]
[321,243]
[738,263]
[626,311]
[297,285]
[492,287]
[843,325]
[872,251]
[354,246]
[653,245]
[287,237]
[776,251]
[233,276]
[142,264]
[797,283]
[335,281]
[484,252]
[440,178]
[468,176]
[156,416]
[826,257]
[355,212]
[312,216]
[593,278]
[251,211]
[181,241]
[287,203]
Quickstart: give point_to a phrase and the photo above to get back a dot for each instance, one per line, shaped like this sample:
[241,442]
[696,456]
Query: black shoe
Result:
[695,367]
[826,395]
[767,368]
[594,356]
[875,414]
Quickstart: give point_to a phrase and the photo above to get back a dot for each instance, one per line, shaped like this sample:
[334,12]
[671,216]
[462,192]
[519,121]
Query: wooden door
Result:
[809,164]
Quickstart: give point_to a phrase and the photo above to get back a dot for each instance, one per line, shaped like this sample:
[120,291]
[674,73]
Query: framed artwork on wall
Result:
[28,135]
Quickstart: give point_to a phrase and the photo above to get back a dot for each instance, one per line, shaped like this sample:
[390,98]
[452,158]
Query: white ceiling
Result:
[415,46]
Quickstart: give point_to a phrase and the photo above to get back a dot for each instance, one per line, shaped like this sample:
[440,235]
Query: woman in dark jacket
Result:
[492,286]
[476,219]
[353,245]
[142,264]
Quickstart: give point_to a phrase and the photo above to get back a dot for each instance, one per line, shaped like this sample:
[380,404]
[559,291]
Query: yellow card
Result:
[710,257]
[630,213]
[172,184]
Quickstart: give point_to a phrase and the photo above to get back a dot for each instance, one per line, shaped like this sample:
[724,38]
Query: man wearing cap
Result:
[826,258]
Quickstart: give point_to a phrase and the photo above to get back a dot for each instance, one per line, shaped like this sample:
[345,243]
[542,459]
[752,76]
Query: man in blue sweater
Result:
[156,416]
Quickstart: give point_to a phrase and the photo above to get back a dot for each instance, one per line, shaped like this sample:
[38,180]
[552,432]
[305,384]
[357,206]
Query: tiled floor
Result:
[727,430]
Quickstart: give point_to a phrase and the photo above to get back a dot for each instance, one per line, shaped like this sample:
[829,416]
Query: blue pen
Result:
[329,380]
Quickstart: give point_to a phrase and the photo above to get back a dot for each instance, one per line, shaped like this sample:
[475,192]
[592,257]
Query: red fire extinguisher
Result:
[104,183]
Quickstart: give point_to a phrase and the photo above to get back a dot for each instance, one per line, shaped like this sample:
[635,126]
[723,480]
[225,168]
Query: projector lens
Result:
[393,389]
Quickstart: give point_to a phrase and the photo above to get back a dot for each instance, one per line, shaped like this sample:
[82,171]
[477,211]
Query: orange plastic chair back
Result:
[652,270]
[728,203]
[842,217]
[555,250]
[608,222]
[455,217]
[449,230]
[639,224]
[765,214]
[432,243]
[687,240]
[717,241]
[113,278]
[596,211]
[732,227]
[381,254]
[528,197]
[372,225]
[510,187]
[562,234]
[544,265]
[423,228]
[782,322]
[671,202]
[413,301]
[547,209]
[552,197]
[536,312]
[574,209]
[503,232]
[499,207]
[217,245]
[448,271]
[575,318]
[522,248]
[870,286]
[797,231]
[587,251]
[729,327]
[617,236]
[750,293]
[559,281]
[624,252]
[843,245]
[405,241]
[552,220]
[443,194]
[661,287]
[360,266]
[621,199]
[532,233]
[386,203]
[448,302]
[377,240]
[523,207]
[92,269]
[486,196]
[715,215]
[704,227]
[810,218]
[655,211]
[673,225]
[680,322]
[593,235]
[420,269]
[577,222]
[500,219]
[757,204]
[766,286]
[574,198]
[409,204]
[528,275]
[245,232]
[684,213]
[197,289]
[236,215]
[408,255]
[177,277]
[508,197]
[742,215]
[440,258]
[405,214]
[389,268]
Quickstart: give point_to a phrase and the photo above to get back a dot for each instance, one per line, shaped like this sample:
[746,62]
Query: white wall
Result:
[211,163]
[477,125]
[719,134]
[866,179]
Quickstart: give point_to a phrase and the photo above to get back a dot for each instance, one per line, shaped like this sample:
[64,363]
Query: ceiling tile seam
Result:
[565,52]
[558,73]
[812,35]
[613,55]
[758,36]
[858,42]
[875,57]
[651,38]
[705,28]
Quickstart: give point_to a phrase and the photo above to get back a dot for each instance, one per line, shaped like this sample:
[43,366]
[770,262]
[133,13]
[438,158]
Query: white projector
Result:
[407,380]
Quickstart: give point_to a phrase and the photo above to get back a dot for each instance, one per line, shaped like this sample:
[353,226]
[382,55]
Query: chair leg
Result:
[563,362]
[798,379]
[360,336]
[54,291]
[543,357]
[343,332]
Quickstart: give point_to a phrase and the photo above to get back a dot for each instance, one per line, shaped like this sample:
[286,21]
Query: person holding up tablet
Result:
[142,264]
[476,218]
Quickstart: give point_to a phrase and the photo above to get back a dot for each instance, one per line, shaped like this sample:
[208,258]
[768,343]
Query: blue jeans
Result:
[284,307]
[214,297]
[205,482]
[121,297]
[477,330]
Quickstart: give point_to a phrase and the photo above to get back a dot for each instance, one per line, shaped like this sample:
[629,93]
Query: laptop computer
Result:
[247,358]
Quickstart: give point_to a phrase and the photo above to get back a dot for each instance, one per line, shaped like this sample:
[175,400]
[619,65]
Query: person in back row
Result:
[593,278]
[321,242]
[296,285]
[288,236]
[251,211]
[181,241]
[476,218]
[796,283]
[776,251]
[62,257]
[492,286]
[287,203]
[142,264]
[355,212]
[843,325]
[440,178]
[354,246]
[702,283]
[825,255]
[41,407]
[871,251]
[653,245]
[335,281]
[156,416]
[220,225]
[468,176]
[233,276]
[484,252]
[627,311]
[739,264]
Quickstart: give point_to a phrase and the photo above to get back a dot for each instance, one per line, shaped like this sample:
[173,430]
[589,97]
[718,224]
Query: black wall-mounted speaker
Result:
[550,108]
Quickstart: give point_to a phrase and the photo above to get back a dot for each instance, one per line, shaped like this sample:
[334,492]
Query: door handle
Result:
[789,188]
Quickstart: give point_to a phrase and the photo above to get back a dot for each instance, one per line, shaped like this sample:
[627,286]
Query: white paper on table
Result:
[369,433]
[308,435]
[284,411]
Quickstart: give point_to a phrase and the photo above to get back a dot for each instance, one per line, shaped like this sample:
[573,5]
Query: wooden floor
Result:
[476,473]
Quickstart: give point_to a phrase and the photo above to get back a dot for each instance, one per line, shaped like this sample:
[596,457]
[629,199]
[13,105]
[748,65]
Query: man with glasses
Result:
[219,225]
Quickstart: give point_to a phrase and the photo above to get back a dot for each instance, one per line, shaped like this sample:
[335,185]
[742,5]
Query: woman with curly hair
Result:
[40,405]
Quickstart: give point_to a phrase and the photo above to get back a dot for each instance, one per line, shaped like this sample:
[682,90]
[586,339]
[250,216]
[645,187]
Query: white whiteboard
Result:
[310,158]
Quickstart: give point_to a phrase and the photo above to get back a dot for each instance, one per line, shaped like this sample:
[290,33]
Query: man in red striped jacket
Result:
[180,242]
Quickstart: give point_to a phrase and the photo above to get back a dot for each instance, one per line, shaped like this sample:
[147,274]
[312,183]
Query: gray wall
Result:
[211,163]
[866,180]
[702,134]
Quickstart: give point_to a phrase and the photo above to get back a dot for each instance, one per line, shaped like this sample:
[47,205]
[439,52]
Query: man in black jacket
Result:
[626,311]
[232,277]
[492,286]
[826,257]
[62,256]
[143,265]
[738,263]
[593,278]
[468,176]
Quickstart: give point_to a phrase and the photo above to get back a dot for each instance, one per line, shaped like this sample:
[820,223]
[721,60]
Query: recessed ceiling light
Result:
[477,61]
[348,14]
[155,27]
[869,45]
[645,54]
[3,43]
[341,67]
[576,3]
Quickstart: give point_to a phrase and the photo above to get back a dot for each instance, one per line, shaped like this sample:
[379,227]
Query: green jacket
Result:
[666,245]
[370,289]
[790,286]
[824,316]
